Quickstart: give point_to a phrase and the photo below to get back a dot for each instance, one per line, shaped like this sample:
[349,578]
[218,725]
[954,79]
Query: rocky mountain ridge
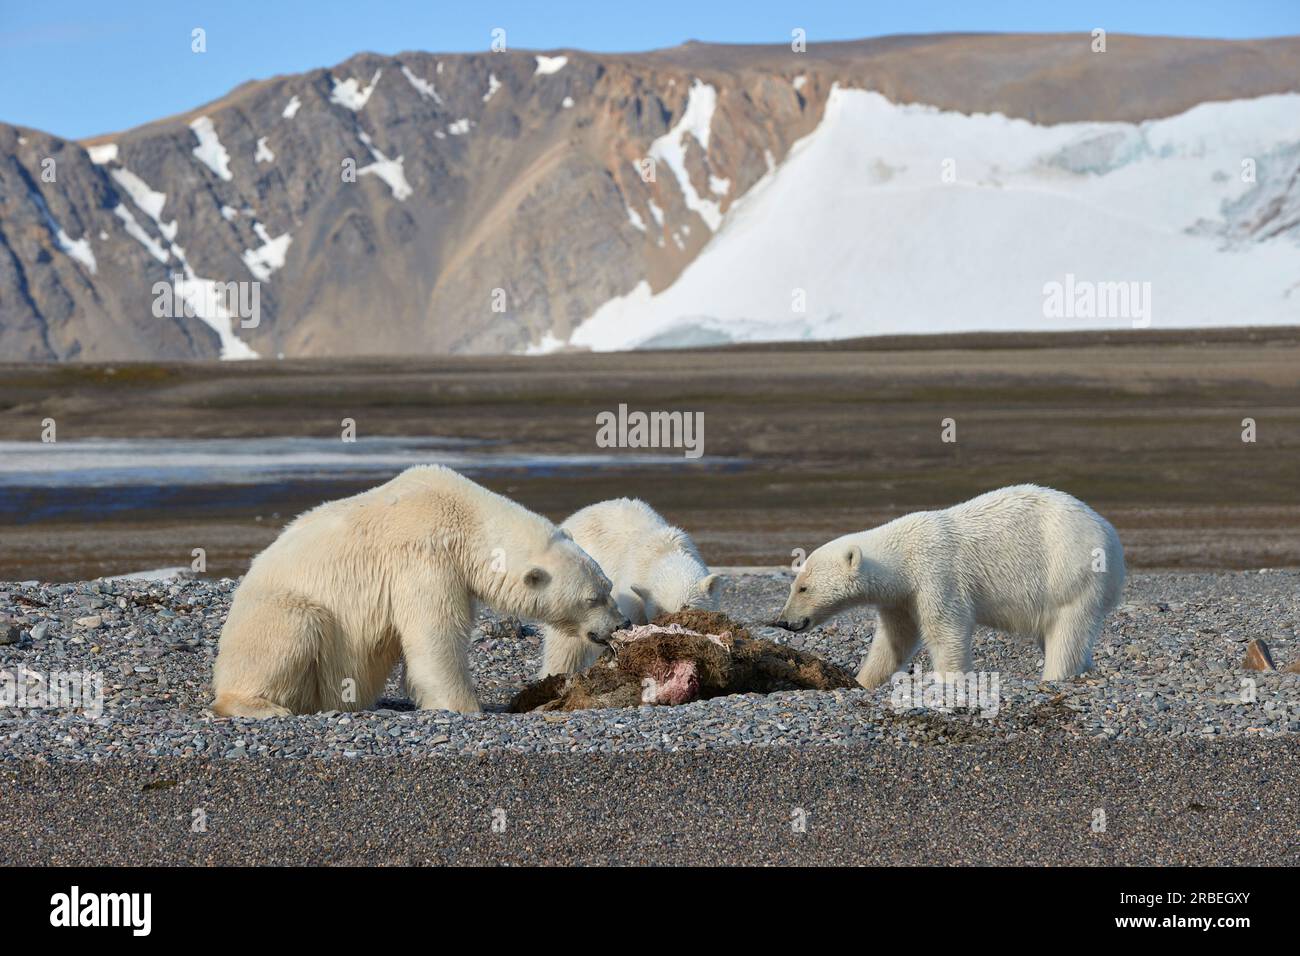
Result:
[485,203]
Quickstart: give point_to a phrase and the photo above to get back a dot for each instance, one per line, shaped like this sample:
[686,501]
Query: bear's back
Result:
[627,533]
[1026,540]
[1024,513]
[423,504]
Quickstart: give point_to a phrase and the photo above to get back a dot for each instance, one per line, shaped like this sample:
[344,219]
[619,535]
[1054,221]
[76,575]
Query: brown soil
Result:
[735,663]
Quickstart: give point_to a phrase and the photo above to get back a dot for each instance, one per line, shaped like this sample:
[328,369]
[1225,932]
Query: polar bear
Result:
[655,569]
[1026,560]
[324,612]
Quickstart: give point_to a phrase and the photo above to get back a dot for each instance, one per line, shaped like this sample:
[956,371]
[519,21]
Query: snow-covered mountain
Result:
[525,201]
[895,218]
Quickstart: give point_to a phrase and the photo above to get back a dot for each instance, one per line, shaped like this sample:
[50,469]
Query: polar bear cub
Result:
[324,612]
[1026,560]
[655,569]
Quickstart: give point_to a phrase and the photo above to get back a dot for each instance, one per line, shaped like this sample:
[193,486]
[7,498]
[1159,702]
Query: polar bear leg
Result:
[895,642]
[435,646]
[564,652]
[267,660]
[948,639]
[234,705]
[1067,645]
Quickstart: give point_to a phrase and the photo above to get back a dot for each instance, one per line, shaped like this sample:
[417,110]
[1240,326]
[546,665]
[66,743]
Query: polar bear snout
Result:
[799,612]
[602,622]
[603,639]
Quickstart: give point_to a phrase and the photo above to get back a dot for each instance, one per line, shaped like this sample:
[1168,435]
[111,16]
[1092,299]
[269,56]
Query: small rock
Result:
[1258,658]
[90,623]
[10,633]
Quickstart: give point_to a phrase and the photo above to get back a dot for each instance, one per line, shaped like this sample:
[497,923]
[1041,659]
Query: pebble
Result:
[1168,667]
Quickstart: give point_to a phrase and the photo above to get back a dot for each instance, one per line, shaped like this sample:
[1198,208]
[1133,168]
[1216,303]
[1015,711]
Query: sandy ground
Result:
[1034,802]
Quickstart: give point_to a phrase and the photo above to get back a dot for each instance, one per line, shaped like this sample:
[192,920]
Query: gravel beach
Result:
[1161,718]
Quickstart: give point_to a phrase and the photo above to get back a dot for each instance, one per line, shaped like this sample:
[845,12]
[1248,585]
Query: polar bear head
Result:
[830,580]
[561,585]
[675,582]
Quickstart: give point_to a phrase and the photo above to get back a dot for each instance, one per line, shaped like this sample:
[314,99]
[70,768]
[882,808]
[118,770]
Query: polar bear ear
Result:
[853,557]
[708,584]
[536,577]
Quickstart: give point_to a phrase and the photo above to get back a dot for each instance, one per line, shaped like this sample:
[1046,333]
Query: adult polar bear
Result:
[352,584]
[1027,560]
[655,568]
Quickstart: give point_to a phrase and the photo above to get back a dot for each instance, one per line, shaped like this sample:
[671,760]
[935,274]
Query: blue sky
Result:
[81,67]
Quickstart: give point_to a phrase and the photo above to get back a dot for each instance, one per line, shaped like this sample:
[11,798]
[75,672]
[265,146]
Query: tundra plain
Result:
[801,442]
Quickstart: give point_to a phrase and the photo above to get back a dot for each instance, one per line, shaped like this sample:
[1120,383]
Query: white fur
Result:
[324,612]
[1026,560]
[655,569]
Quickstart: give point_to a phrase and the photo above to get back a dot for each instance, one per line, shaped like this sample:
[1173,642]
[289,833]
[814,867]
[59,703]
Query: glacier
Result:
[895,218]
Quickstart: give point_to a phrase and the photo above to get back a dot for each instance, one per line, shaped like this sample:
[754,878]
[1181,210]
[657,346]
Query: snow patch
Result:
[136,232]
[670,149]
[860,218]
[210,152]
[104,153]
[263,154]
[390,171]
[206,298]
[567,102]
[549,343]
[635,218]
[422,86]
[349,92]
[229,213]
[291,108]
[147,200]
[549,64]
[459,128]
[78,249]
[493,85]
[269,256]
